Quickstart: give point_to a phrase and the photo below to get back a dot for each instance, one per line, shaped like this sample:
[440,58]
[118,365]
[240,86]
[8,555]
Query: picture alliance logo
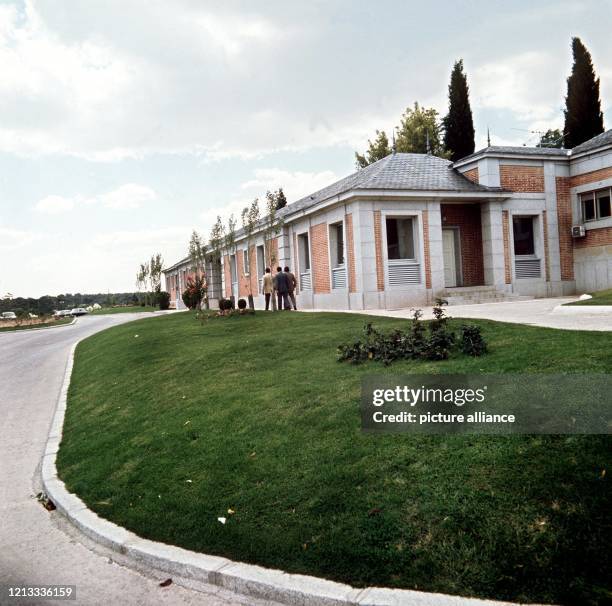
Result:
[404,394]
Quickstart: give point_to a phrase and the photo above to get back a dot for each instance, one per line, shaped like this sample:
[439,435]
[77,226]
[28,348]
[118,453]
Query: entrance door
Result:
[450,257]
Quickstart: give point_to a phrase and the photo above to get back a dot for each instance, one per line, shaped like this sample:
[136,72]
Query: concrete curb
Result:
[246,579]
[8,332]
[587,310]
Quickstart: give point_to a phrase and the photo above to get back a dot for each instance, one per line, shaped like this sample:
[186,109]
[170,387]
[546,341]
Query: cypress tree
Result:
[458,123]
[583,117]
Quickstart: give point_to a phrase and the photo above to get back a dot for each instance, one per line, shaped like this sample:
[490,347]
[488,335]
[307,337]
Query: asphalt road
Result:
[38,547]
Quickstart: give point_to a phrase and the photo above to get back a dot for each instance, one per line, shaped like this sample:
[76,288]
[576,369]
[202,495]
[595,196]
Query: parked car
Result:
[78,311]
[8,315]
[62,313]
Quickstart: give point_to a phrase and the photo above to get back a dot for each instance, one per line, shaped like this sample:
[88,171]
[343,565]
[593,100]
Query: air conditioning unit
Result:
[578,231]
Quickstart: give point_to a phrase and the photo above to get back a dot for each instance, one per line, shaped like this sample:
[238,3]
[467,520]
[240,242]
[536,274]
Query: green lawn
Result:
[166,432]
[128,309]
[36,326]
[602,297]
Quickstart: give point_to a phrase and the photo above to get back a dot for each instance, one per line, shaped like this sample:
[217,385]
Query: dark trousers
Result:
[292,299]
[283,301]
[267,296]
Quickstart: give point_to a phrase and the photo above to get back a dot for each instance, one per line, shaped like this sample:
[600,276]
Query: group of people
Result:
[282,285]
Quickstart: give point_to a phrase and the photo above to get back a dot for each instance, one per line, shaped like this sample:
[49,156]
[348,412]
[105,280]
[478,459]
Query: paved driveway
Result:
[37,547]
[535,312]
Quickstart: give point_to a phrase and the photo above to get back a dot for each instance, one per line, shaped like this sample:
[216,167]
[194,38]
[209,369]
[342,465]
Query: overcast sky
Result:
[124,125]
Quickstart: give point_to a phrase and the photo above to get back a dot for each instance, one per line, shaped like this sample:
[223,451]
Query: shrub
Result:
[163,298]
[194,292]
[416,343]
[225,304]
[472,341]
[441,339]
[242,303]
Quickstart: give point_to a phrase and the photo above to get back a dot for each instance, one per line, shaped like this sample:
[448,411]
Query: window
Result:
[304,252]
[603,204]
[400,238]
[246,268]
[261,263]
[595,205]
[336,244]
[233,272]
[524,242]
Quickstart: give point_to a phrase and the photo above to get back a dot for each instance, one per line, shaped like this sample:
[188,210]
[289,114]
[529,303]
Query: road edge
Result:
[246,579]
[9,332]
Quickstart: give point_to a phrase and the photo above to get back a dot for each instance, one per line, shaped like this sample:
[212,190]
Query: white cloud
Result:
[128,196]
[528,85]
[125,197]
[11,239]
[296,184]
[53,205]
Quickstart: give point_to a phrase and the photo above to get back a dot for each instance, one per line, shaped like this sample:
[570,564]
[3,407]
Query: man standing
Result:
[282,289]
[267,287]
[291,286]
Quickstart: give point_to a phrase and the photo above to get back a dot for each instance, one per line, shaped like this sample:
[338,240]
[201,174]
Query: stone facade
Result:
[513,216]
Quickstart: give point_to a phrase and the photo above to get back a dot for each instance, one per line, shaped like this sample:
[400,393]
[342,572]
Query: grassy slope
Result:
[123,310]
[32,326]
[260,417]
[603,297]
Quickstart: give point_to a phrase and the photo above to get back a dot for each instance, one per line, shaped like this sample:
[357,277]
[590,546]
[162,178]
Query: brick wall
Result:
[595,237]
[253,277]
[243,281]
[506,229]
[522,178]
[472,174]
[467,218]
[350,252]
[564,218]
[546,253]
[319,248]
[227,276]
[426,253]
[595,175]
[380,272]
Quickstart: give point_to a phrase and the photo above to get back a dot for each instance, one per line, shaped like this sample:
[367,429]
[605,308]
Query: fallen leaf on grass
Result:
[222,520]
[189,481]
[603,473]
[231,511]
[374,511]
[166,583]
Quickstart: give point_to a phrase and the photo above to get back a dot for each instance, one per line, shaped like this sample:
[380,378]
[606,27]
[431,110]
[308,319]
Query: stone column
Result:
[436,254]
[493,244]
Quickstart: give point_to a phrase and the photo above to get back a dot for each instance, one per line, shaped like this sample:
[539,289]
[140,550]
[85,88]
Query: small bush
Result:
[242,303]
[472,341]
[416,343]
[163,298]
[225,304]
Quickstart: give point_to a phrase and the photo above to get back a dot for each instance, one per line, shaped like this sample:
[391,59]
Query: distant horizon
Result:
[119,137]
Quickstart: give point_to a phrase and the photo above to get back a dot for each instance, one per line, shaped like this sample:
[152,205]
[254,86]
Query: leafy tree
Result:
[551,138]
[142,277]
[155,270]
[215,241]
[250,221]
[281,200]
[197,255]
[419,132]
[273,225]
[458,123]
[377,149]
[583,117]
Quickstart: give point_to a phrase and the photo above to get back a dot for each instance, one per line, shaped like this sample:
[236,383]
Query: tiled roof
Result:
[598,141]
[410,172]
[518,151]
